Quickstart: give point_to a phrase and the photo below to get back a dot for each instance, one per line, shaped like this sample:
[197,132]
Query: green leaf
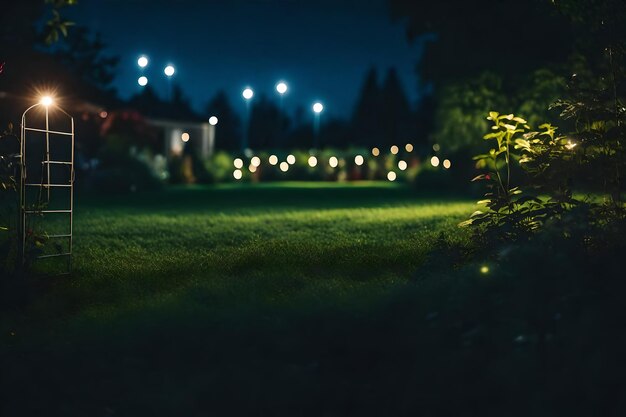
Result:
[493,115]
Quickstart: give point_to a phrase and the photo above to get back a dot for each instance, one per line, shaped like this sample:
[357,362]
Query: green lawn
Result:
[314,300]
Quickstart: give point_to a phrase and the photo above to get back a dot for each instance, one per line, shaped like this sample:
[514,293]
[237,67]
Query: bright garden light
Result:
[142,61]
[312,161]
[237,174]
[247,93]
[238,163]
[434,161]
[46,100]
[142,81]
[252,168]
[281,87]
[484,269]
[185,137]
[375,151]
[447,164]
[273,159]
[284,166]
[408,147]
[255,161]
[169,70]
[291,159]
[333,162]
[318,107]
[570,145]
[212,120]
[391,176]
[394,150]
[402,165]
[359,160]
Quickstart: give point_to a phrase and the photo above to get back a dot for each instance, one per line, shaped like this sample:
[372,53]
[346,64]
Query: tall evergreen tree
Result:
[366,120]
[396,113]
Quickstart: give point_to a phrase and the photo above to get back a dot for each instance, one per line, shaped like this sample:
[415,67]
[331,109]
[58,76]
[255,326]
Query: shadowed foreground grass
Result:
[311,300]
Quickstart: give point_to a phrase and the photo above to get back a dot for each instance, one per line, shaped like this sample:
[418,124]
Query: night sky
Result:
[322,49]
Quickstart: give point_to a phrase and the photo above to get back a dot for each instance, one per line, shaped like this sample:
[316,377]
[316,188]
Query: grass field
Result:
[311,300]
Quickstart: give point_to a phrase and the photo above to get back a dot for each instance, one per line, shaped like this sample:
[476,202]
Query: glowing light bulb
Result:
[312,161]
[391,176]
[237,174]
[359,160]
[447,164]
[318,107]
[46,100]
[255,161]
[402,165]
[291,159]
[375,151]
[142,81]
[212,120]
[434,161]
[185,137]
[273,159]
[408,147]
[394,150]
[169,70]
[247,93]
[284,166]
[238,163]
[333,162]
[281,87]
[142,61]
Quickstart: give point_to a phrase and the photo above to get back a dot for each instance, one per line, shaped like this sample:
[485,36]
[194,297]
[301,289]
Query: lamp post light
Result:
[247,95]
[142,81]
[317,110]
[169,72]
[142,61]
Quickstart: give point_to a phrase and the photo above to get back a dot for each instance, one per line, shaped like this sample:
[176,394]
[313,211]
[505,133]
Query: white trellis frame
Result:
[45,183]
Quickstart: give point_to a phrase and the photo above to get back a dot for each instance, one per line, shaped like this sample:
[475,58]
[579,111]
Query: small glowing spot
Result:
[333,162]
[436,147]
[409,147]
[318,107]
[391,176]
[46,100]
[447,164]
[359,160]
[484,269]
[273,159]
[247,93]
[570,145]
[237,174]
[395,150]
[284,166]
[312,161]
[252,168]
[402,165]
[281,87]
[103,114]
[169,70]
[185,137]
[255,161]
[212,120]
[375,151]
[291,159]
[142,81]
[238,163]
[142,61]
[434,161]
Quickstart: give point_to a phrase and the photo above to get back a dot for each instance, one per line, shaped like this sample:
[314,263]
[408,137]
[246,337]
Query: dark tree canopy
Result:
[227,133]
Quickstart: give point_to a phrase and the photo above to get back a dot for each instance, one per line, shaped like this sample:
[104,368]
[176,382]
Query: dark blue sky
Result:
[322,49]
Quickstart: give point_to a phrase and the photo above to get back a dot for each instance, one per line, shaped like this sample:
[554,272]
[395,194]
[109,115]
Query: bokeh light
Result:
[484,269]
[312,161]
[284,166]
[142,61]
[359,160]
[255,161]
[409,147]
[185,137]
[391,176]
[402,165]
[436,147]
[169,70]
[434,161]
[281,87]
[447,164]
[142,81]
[318,107]
[238,163]
[394,150]
[247,93]
[213,120]
[237,174]
[252,168]
[291,159]
[375,151]
[273,159]
[333,162]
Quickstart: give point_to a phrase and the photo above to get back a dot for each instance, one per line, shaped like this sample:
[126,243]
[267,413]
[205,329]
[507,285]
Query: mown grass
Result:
[316,300]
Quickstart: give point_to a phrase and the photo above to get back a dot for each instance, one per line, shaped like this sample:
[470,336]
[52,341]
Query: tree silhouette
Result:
[366,120]
[396,115]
